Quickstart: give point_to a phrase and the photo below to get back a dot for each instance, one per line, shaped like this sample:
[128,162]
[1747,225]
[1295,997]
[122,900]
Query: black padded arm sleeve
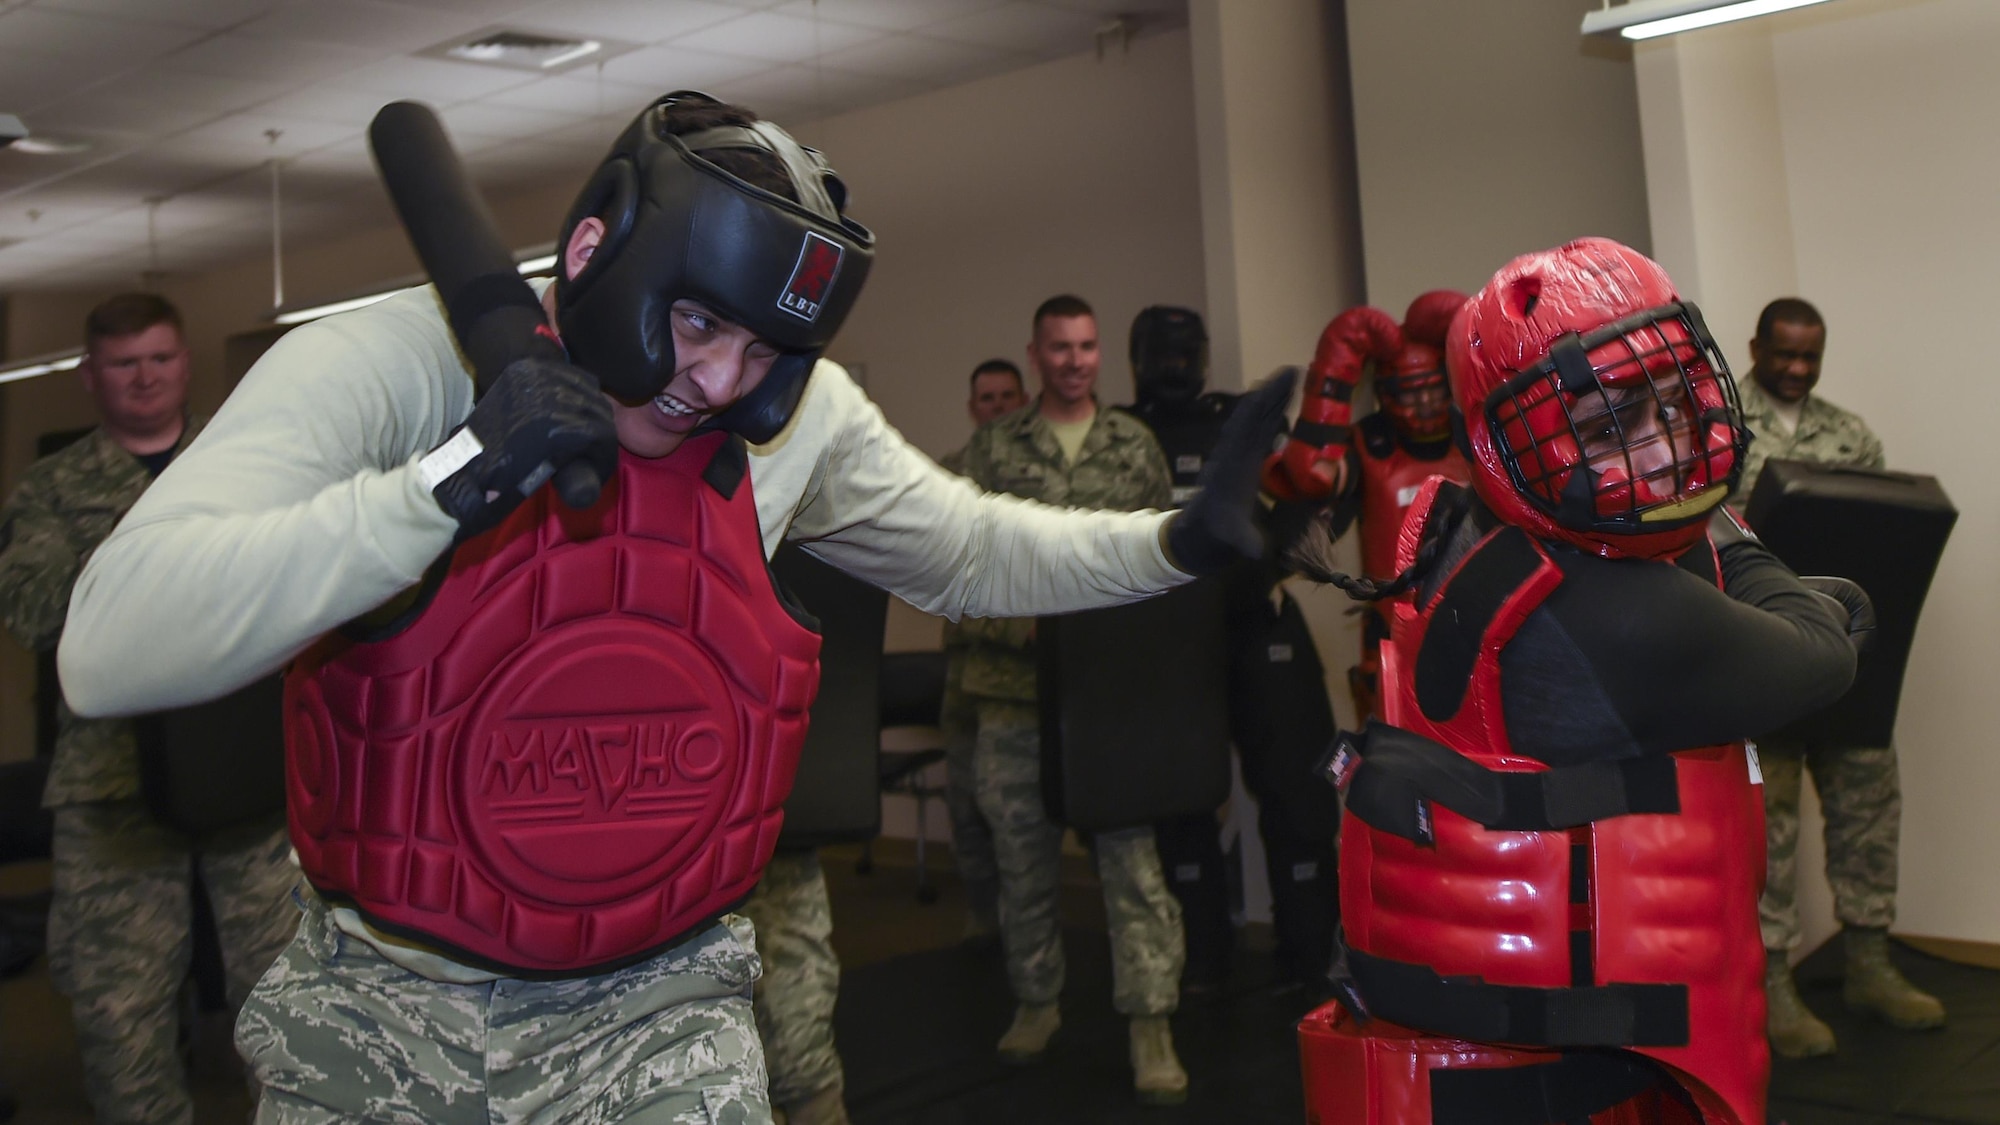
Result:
[1675,662]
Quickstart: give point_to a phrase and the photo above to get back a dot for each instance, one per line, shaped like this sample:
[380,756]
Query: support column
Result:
[1281,228]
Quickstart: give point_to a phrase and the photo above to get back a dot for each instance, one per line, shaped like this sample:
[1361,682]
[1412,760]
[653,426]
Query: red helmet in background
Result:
[1411,387]
[1598,409]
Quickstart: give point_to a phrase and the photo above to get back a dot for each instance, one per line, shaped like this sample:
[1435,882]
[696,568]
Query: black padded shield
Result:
[1135,710]
[216,765]
[836,797]
[1887,532]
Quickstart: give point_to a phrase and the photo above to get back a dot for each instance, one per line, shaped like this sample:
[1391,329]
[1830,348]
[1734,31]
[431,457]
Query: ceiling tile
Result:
[660,69]
[431,80]
[241,137]
[295,62]
[30,80]
[921,59]
[95,38]
[886,15]
[119,116]
[359,23]
[585,97]
[1046,32]
[477,9]
[201,91]
[479,121]
[765,35]
[191,13]
[325,102]
[634,21]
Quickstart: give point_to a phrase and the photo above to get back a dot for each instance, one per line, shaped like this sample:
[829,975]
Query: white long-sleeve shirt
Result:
[299,508]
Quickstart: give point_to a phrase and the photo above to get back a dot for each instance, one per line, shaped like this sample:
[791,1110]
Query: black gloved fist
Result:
[1851,605]
[1220,524]
[538,416]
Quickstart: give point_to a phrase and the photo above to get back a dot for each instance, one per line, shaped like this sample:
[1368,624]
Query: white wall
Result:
[1074,176]
[1486,130]
[1882,165]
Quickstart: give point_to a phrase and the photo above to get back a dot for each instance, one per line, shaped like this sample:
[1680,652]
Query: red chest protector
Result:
[576,755]
[1491,899]
[1391,477]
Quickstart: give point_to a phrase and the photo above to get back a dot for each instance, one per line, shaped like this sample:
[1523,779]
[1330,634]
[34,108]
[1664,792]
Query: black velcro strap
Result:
[1466,1007]
[1401,770]
[1318,434]
[727,468]
[1458,624]
[1573,370]
[1571,1088]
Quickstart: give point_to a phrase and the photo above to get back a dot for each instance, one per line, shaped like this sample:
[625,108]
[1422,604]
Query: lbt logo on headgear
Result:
[812,277]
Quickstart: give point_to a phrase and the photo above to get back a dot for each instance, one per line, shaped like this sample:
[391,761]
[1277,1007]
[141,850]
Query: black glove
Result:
[538,416]
[1850,604]
[1220,524]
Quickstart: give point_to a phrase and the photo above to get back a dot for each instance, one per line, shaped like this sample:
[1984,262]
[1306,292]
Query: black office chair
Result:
[912,697]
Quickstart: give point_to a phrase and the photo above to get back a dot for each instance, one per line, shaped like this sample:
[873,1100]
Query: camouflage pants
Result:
[795,996]
[120,925]
[1148,948]
[1863,802]
[337,1033]
[971,838]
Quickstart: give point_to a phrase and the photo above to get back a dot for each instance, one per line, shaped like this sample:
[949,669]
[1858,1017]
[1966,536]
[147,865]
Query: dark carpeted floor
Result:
[1882,1075]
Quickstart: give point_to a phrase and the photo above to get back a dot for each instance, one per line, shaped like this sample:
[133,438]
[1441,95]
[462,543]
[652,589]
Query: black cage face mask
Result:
[1626,429]
[677,226]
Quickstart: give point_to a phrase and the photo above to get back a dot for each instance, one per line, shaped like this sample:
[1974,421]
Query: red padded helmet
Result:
[1411,388]
[1598,409]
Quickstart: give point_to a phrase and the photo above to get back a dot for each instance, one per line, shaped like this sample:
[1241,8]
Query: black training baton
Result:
[493,310]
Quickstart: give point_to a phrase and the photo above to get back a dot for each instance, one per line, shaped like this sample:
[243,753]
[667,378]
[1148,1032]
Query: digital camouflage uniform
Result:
[120,919]
[1119,466]
[958,718]
[801,980]
[670,1040]
[1858,787]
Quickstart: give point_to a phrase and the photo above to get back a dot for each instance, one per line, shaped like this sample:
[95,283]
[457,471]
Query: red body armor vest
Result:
[577,753]
[1390,479]
[1627,919]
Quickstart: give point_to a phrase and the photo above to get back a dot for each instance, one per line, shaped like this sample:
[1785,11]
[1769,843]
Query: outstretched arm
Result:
[875,506]
[297,509]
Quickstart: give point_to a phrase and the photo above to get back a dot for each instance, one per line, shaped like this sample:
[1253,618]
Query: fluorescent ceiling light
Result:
[1647,19]
[300,316]
[41,365]
[529,267]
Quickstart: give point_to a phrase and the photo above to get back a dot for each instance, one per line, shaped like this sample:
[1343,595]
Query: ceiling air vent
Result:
[538,51]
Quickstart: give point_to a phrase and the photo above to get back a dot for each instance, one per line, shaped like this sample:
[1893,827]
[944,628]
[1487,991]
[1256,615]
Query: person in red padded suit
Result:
[1550,866]
[1405,442]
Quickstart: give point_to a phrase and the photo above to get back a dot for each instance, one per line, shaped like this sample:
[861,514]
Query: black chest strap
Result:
[1401,773]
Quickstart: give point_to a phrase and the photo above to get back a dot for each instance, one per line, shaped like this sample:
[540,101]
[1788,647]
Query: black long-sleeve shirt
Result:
[1630,656]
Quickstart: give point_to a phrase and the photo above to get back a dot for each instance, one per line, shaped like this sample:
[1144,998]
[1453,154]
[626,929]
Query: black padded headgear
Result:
[678,226]
[1169,355]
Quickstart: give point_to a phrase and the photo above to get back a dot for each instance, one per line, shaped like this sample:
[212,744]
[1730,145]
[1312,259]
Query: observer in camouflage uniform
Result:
[1858,786]
[958,718]
[794,998]
[1120,466]
[121,916]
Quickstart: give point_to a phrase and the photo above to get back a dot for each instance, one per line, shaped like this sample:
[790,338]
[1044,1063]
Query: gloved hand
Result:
[1219,525]
[1850,604]
[539,416]
[1309,467]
